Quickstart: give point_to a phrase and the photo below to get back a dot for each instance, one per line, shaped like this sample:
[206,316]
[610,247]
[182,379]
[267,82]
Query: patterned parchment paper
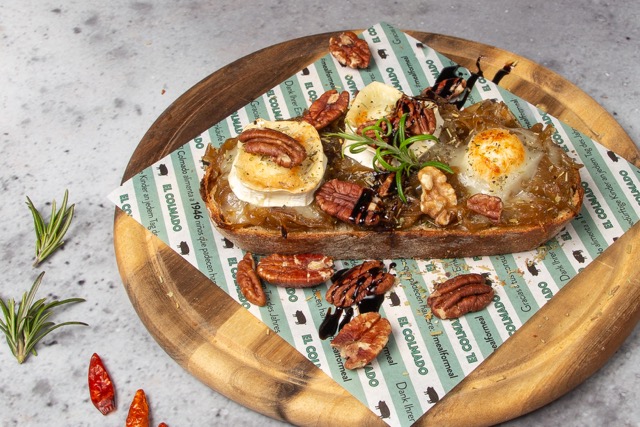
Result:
[425,357]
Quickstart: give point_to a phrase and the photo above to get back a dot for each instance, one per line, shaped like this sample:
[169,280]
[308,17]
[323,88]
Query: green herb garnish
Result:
[25,327]
[393,157]
[49,236]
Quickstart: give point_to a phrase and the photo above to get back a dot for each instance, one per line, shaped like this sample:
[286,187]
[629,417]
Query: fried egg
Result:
[497,161]
[258,180]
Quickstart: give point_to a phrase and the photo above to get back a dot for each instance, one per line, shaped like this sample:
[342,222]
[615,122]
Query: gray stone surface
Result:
[81,82]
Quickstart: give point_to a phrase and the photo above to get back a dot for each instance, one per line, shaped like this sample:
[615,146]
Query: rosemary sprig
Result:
[395,157]
[49,236]
[25,327]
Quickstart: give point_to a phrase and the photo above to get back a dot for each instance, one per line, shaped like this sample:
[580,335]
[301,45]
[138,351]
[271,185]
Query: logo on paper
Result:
[163,170]
[384,409]
[432,394]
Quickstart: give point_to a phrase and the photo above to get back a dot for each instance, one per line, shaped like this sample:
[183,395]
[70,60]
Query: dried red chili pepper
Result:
[163,425]
[101,388]
[138,411]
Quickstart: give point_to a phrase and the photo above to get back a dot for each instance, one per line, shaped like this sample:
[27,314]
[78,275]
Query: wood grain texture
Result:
[227,348]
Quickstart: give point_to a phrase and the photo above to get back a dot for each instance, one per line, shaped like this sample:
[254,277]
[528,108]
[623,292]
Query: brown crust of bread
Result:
[414,242]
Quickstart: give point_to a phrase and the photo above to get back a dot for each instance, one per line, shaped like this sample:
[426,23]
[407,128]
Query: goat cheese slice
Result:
[258,180]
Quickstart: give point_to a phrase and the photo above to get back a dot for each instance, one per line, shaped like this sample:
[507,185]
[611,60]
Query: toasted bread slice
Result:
[420,241]
[534,185]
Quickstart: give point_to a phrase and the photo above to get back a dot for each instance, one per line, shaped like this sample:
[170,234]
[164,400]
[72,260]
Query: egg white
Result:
[496,162]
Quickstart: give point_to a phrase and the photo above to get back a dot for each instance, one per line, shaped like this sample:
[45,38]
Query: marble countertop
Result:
[81,82]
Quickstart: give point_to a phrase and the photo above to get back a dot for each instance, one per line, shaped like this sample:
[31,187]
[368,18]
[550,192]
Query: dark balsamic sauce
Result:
[471,81]
[503,72]
[360,215]
[448,73]
[329,325]
[338,274]
[348,315]
[370,304]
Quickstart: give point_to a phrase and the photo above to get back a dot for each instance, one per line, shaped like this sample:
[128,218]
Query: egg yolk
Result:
[494,153]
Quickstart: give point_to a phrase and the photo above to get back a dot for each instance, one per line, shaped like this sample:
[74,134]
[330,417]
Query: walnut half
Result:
[438,198]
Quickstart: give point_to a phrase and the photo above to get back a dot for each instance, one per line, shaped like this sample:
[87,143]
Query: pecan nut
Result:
[282,148]
[362,339]
[296,271]
[386,185]
[324,110]
[486,205]
[459,295]
[349,202]
[448,89]
[349,50]
[360,130]
[249,282]
[438,199]
[421,116]
[353,285]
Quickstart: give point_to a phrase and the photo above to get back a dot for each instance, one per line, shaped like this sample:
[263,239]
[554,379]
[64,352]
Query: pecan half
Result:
[282,148]
[387,184]
[362,339]
[371,133]
[486,205]
[329,107]
[249,282]
[352,286]
[349,50]
[296,271]
[421,119]
[438,198]
[449,89]
[349,202]
[460,295]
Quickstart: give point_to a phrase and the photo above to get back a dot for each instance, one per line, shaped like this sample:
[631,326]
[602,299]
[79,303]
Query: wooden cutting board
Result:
[227,348]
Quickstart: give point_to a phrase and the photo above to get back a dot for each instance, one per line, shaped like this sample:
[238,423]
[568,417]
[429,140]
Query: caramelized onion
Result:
[540,199]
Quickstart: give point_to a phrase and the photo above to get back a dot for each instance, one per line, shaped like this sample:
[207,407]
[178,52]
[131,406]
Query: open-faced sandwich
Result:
[387,175]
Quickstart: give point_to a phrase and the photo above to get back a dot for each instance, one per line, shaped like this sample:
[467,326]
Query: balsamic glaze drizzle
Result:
[348,315]
[331,324]
[471,81]
[370,304]
[503,71]
[360,214]
[448,73]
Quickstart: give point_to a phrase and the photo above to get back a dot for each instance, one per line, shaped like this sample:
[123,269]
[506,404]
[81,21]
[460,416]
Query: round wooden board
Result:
[227,348]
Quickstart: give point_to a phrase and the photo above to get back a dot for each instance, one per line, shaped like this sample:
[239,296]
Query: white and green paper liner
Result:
[425,357]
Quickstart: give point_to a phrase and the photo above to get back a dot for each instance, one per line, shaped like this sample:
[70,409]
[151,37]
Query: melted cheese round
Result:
[375,101]
[258,180]
[496,162]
